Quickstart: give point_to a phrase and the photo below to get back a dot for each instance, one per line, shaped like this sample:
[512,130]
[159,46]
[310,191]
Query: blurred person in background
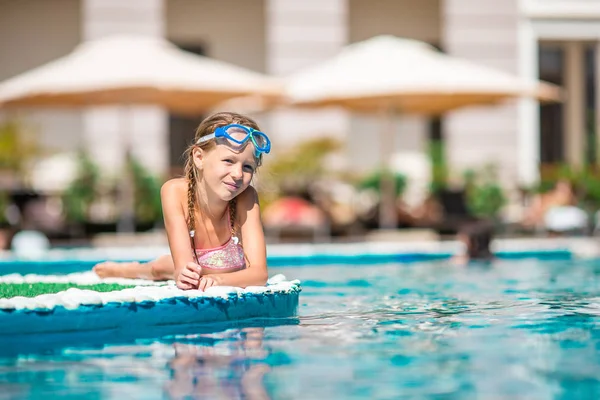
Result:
[555,211]
[339,201]
[476,238]
[560,195]
[429,213]
[211,215]
[30,240]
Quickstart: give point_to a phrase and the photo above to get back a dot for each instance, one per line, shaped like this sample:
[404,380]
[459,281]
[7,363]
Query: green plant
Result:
[295,168]
[17,146]
[586,186]
[373,182]
[485,197]
[147,193]
[80,194]
[304,160]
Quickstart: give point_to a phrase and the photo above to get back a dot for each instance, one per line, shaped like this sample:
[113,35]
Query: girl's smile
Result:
[232,186]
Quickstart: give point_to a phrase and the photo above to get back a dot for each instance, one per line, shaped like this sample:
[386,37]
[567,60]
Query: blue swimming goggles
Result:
[261,142]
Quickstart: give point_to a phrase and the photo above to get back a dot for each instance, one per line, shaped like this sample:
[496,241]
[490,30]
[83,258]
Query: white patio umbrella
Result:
[133,70]
[388,75]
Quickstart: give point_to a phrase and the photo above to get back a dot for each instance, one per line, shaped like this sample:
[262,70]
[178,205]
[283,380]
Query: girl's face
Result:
[227,169]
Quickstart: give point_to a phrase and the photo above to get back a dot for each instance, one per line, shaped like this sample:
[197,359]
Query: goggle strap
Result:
[206,138]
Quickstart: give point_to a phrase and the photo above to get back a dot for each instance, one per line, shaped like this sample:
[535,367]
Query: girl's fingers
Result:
[194,267]
[202,284]
[205,283]
[189,281]
[189,277]
[190,274]
[183,286]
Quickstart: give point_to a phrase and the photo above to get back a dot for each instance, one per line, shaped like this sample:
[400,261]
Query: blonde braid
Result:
[190,174]
[232,206]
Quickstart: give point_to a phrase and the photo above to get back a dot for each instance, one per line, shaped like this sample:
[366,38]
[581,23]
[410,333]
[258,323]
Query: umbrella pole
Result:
[387,207]
[126,186]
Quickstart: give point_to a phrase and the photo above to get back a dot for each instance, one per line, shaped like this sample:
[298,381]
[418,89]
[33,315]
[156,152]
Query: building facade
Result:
[554,39]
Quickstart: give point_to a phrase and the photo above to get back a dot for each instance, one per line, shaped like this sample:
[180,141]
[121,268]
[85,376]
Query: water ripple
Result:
[511,329]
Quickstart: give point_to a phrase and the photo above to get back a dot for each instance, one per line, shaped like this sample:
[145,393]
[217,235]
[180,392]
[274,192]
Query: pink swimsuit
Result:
[228,257]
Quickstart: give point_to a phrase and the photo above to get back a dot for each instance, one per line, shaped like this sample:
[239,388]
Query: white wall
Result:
[406,18]
[486,32]
[33,33]
[301,34]
[229,30]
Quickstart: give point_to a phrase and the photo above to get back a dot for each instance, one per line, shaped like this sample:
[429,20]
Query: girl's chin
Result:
[231,191]
[222,194]
[227,195]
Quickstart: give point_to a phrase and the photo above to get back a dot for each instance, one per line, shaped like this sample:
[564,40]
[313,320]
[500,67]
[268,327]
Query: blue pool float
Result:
[146,306]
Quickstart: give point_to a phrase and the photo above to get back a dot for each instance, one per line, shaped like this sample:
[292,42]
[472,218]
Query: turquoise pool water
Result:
[511,329]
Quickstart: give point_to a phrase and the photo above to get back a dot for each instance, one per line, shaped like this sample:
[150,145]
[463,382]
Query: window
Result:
[551,68]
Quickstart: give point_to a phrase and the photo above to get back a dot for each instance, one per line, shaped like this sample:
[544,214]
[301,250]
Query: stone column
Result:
[574,107]
[108,131]
[528,117]
[485,32]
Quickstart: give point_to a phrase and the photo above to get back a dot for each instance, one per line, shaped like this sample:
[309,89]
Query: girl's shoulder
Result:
[175,188]
[247,198]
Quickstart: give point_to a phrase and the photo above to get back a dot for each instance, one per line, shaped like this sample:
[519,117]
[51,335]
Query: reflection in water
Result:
[230,368]
[227,364]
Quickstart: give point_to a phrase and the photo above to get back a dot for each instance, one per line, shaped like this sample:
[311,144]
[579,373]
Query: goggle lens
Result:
[238,135]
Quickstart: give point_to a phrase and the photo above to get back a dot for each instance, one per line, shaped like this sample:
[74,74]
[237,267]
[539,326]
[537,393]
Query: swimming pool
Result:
[512,329]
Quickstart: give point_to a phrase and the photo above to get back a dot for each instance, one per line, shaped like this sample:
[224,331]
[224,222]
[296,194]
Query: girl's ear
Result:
[198,157]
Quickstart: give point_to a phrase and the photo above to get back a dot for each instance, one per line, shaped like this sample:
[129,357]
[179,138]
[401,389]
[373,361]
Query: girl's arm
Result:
[171,195]
[253,240]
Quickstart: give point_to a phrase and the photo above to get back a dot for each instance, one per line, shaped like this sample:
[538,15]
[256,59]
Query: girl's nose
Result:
[236,172]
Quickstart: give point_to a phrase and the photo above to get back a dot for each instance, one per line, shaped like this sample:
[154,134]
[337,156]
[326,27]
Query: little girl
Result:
[211,212]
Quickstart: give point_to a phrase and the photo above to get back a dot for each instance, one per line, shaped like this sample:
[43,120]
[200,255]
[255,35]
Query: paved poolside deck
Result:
[581,247]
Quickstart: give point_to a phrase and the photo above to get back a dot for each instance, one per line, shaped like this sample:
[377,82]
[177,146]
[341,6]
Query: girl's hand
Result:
[189,277]
[207,281]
